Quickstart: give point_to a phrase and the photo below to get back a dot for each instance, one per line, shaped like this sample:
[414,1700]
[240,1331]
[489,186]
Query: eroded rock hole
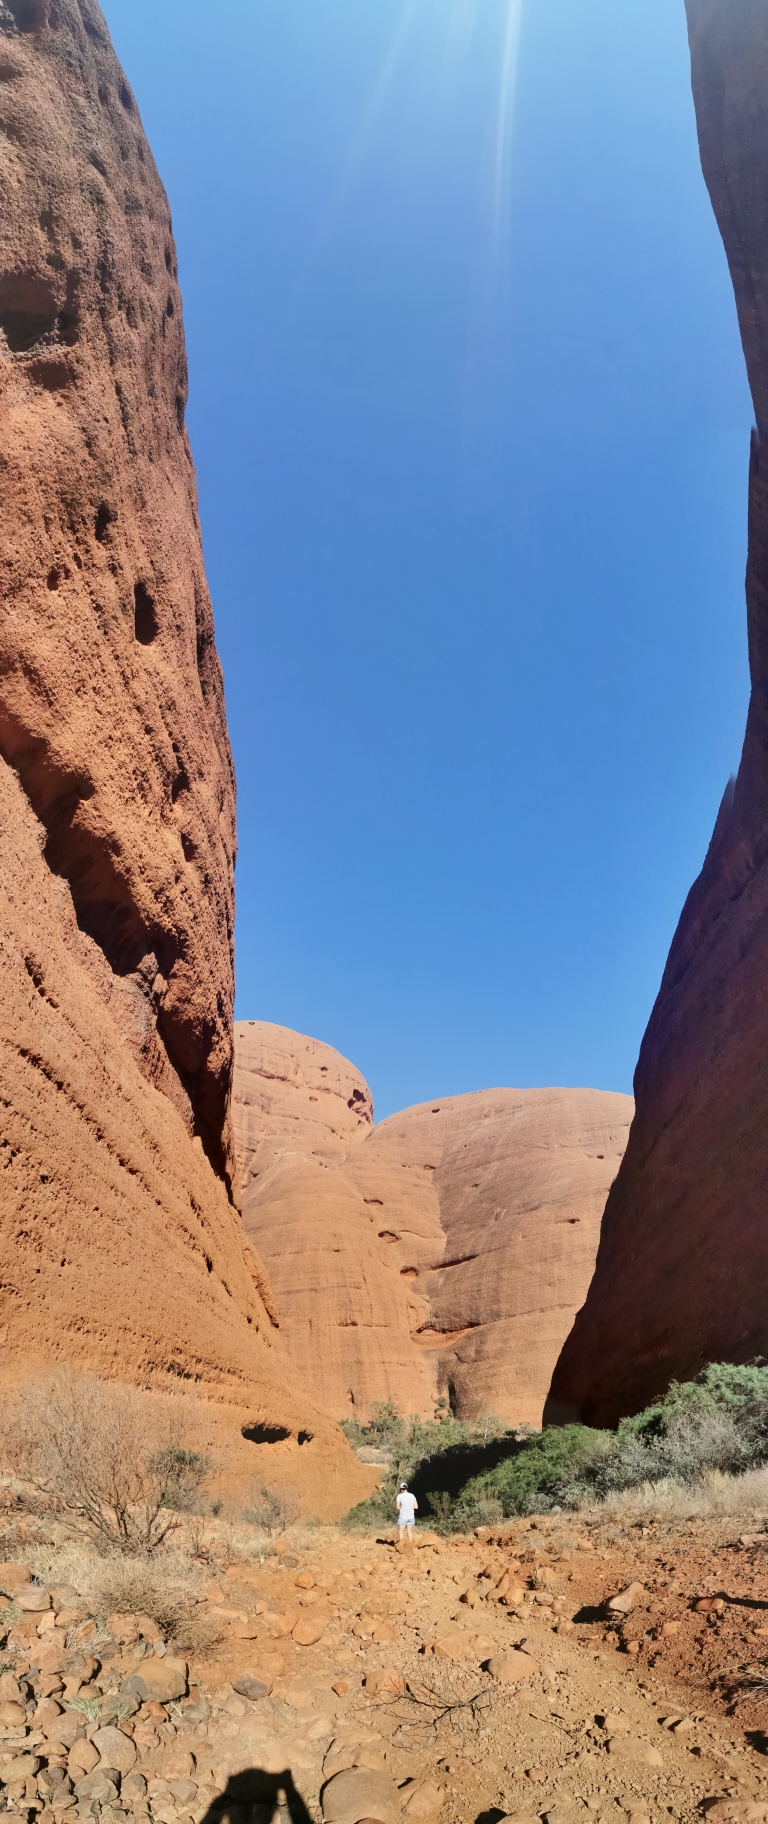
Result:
[305,1437]
[265,1434]
[53,578]
[145,619]
[28,309]
[102,522]
[28,14]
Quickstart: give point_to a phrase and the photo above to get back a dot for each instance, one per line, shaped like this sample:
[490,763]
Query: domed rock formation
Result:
[682,1271]
[119,1242]
[441,1253]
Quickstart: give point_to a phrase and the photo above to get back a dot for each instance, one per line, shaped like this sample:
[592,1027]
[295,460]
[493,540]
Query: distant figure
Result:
[406,1516]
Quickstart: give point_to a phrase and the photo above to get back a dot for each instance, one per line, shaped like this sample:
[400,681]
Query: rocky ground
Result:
[469,1680]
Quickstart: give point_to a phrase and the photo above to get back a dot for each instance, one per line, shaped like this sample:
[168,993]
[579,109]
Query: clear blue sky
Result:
[471,428]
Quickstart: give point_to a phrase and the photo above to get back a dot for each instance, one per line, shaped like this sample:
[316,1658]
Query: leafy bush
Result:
[716,1423]
[415,1445]
[115,1462]
[533,1477]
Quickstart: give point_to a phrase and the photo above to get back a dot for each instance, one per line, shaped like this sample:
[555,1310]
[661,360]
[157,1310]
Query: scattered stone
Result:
[736,1811]
[385,1684]
[97,1786]
[159,1680]
[22,1767]
[253,1688]
[13,1577]
[82,1759]
[133,1788]
[624,1603]
[12,1716]
[709,1605]
[115,1749]
[384,1634]
[304,1581]
[423,1799]
[308,1633]
[32,1598]
[342,1687]
[633,1748]
[513,1667]
[360,1793]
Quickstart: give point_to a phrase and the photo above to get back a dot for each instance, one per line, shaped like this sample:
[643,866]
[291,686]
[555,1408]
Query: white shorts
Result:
[406,1523]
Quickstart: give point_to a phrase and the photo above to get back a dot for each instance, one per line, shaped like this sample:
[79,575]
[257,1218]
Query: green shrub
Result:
[718,1421]
[533,1478]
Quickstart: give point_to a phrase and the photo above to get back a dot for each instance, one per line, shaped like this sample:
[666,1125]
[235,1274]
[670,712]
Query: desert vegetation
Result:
[120,1471]
[690,1445]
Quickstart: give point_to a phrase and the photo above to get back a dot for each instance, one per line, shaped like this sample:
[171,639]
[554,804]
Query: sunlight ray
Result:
[506,114]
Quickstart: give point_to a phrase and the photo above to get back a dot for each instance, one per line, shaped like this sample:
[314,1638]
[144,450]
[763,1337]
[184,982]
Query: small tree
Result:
[274,1510]
[114,1461]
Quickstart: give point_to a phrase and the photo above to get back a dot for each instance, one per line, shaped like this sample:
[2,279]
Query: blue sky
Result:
[470,420]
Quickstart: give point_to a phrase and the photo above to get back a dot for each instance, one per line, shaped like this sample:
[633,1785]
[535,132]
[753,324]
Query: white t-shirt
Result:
[406,1507]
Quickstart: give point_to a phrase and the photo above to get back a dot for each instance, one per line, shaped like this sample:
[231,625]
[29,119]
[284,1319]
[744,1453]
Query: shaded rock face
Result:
[441,1253]
[111,705]
[120,1247]
[682,1270]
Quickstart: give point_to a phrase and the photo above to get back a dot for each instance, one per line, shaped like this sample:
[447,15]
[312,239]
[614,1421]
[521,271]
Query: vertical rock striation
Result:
[682,1269]
[120,1246]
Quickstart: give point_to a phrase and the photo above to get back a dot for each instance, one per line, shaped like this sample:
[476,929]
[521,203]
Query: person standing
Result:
[406,1505]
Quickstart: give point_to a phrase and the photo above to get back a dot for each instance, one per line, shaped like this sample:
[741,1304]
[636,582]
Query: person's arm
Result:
[415,1502]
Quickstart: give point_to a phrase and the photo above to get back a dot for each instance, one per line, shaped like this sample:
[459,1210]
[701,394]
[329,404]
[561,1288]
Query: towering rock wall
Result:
[441,1253]
[119,1243]
[682,1270]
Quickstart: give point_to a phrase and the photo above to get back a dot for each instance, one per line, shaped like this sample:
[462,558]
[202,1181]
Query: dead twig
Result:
[437,1701]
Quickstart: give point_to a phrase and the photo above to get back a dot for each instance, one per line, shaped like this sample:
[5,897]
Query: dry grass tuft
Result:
[714,1496]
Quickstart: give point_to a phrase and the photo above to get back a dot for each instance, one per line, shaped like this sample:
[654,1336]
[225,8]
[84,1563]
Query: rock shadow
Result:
[456,1465]
[257,1797]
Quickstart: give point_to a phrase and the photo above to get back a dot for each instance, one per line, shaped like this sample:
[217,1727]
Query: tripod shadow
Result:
[256,1797]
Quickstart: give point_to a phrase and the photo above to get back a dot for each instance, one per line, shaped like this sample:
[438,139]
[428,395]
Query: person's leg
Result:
[401,1536]
[408,1530]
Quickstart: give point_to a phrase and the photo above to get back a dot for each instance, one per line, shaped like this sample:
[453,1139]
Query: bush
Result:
[114,1462]
[532,1478]
[274,1510]
[139,1587]
[715,1424]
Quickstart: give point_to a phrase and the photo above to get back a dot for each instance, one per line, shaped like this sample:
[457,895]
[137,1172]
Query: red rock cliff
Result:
[682,1270]
[443,1252]
[119,1243]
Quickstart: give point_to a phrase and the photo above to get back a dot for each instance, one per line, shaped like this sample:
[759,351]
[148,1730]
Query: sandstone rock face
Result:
[682,1271]
[443,1252]
[119,1243]
[300,1111]
[520,1178]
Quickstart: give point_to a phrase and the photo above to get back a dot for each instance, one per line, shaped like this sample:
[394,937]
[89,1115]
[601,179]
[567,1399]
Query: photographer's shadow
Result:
[256,1797]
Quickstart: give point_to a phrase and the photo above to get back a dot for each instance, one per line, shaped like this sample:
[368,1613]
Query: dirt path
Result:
[378,1663]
